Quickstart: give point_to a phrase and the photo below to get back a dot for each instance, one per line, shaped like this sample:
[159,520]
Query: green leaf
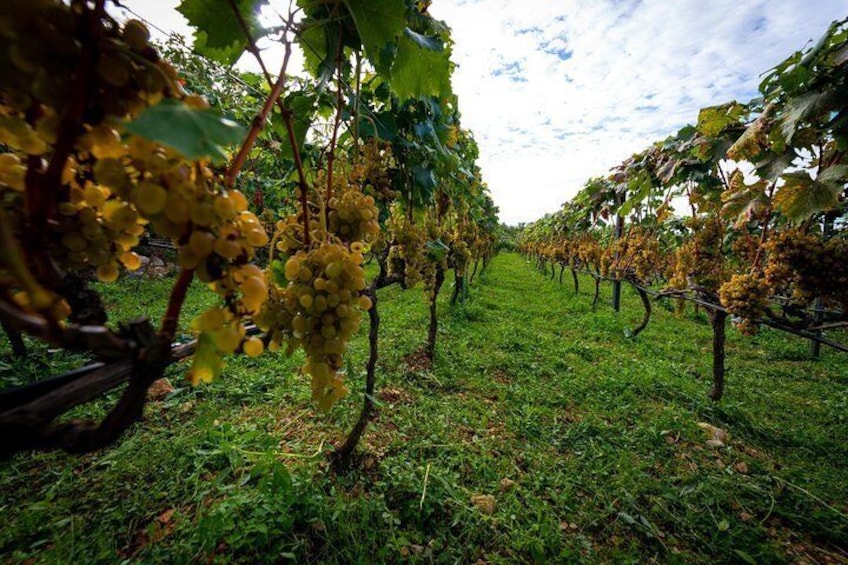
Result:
[195,133]
[741,201]
[797,110]
[800,197]
[387,128]
[379,23]
[750,144]
[218,34]
[773,167]
[419,71]
[302,106]
[437,250]
[207,363]
[713,120]
[320,43]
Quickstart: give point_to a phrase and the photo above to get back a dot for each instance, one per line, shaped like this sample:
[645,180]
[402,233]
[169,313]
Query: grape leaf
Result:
[418,69]
[801,196]
[798,109]
[195,133]
[712,120]
[218,34]
[302,106]
[320,45]
[207,363]
[379,23]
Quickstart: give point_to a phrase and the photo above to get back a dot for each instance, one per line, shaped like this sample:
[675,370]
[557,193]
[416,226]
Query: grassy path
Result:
[540,433]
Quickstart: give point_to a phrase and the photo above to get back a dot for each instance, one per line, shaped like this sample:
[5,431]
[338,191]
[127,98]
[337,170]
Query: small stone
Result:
[741,468]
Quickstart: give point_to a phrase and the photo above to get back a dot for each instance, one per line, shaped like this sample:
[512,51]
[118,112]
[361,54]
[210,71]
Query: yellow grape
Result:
[227,248]
[201,243]
[108,272]
[131,260]
[150,198]
[253,347]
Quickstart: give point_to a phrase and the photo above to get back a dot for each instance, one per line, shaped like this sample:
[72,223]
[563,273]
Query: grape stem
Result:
[258,123]
[175,305]
[756,267]
[274,98]
[331,155]
[42,188]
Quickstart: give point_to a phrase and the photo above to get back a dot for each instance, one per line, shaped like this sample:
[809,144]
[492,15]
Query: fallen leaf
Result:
[484,502]
[713,433]
[165,516]
[506,484]
[159,390]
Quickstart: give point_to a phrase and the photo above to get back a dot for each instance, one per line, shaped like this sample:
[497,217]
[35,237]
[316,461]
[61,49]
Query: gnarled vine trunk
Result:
[342,455]
[434,321]
[646,302]
[718,321]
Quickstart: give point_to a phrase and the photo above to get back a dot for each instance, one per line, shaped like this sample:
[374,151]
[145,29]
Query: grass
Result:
[588,441]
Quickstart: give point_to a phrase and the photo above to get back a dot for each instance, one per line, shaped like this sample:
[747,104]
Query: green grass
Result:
[598,431]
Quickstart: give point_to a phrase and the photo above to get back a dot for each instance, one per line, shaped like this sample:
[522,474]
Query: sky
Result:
[558,91]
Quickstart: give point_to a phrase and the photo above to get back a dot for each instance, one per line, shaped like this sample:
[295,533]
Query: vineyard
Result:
[272,315]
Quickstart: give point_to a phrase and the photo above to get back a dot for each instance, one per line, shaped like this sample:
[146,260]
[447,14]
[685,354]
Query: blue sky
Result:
[558,91]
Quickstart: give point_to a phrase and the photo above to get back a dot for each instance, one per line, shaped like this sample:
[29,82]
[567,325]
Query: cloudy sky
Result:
[557,91]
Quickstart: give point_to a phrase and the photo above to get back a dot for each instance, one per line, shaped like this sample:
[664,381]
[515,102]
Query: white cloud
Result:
[556,92]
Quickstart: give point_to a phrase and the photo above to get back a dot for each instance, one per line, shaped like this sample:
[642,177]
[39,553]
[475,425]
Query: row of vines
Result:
[108,139]
[743,213]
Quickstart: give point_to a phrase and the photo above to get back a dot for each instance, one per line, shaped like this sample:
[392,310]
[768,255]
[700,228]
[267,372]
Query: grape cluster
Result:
[353,216]
[408,254]
[808,266]
[59,60]
[373,170]
[316,307]
[42,43]
[700,260]
[635,257]
[746,297]
[460,257]
[316,296]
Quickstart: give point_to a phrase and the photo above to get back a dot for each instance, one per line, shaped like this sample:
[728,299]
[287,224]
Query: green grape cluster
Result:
[60,59]
[317,307]
[808,266]
[373,170]
[408,255]
[460,257]
[41,43]
[700,260]
[635,257]
[316,298]
[746,297]
[353,216]
[221,333]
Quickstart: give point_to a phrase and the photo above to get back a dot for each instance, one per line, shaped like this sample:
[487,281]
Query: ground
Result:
[541,432]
